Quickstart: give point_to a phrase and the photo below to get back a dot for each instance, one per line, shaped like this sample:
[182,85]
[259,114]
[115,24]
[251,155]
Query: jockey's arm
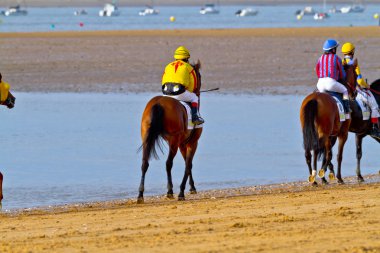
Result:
[193,81]
[360,80]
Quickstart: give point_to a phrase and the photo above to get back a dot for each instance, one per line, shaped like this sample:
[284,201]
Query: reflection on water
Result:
[65,148]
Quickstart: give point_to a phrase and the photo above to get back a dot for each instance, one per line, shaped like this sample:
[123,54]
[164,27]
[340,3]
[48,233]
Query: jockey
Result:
[180,80]
[4,89]
[364,94]
[330,72]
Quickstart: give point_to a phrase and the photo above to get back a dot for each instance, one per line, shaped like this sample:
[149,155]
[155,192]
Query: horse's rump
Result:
[163,117]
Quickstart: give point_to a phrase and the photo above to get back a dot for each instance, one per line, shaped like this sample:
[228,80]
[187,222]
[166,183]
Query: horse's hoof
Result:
[170,196]
[314,184]
[193,191]
[311,179]
[340,181]
[140,200]
[360,179]
[324,181]
[181,198]
[321,173]
[332,177]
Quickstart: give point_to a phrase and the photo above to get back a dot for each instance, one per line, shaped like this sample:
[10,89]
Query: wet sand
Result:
[237,60]
[278,218]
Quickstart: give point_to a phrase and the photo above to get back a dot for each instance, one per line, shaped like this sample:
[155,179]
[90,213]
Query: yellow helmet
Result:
[348,48]
[181,53]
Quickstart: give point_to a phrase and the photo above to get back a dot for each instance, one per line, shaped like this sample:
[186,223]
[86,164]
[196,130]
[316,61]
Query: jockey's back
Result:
[330,65]
[180,72]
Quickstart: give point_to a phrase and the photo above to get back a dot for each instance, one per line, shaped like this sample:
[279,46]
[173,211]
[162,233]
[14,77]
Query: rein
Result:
[375,91]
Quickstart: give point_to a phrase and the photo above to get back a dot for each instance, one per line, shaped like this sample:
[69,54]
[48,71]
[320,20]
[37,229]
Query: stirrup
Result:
[375,133]
[198,120]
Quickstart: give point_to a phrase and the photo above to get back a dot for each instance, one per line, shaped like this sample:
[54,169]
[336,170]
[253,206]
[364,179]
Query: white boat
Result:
[80,12]
[149,10]
[14,11]
[320,15]
[209,9]
[308,10]
[109,10]
[246,12]
[352,9]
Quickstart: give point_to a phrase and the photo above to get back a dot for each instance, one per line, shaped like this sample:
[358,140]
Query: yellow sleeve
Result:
[4,90]
[193,79]
[360,80]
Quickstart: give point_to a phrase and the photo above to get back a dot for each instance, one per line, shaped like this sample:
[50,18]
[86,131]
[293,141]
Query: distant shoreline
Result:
[91,3]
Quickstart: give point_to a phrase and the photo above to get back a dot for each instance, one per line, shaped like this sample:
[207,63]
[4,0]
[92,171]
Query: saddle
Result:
[339,103]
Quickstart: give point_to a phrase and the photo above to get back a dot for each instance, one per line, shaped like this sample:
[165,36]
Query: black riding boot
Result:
[346,105]
[196,118]
[375,132]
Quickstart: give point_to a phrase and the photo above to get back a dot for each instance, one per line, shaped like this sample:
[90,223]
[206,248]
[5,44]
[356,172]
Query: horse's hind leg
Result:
[342,141]
[313,171]
[359,140]
[326,160]
[193,190]
[144,169]
[173,144]
[190,151]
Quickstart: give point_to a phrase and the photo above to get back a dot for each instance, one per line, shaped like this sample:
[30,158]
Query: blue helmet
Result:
[330,44]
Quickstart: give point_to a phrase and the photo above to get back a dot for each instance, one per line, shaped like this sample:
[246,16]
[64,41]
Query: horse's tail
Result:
[310,135]
[155,131]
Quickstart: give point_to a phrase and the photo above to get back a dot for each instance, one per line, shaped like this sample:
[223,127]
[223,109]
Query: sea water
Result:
[60,148]
[187,17]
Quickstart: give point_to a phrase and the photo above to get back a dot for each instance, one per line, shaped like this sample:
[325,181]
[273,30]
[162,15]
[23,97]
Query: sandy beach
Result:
[236,60]
[281,218]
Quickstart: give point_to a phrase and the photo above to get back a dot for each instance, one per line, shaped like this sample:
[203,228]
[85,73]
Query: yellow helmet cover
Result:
[348,48]
[181,53]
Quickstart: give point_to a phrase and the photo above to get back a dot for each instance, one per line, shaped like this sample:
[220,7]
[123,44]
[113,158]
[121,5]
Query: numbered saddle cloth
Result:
[366,111]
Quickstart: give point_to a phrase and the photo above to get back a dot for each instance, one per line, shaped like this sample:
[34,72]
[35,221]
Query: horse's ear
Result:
[199,64]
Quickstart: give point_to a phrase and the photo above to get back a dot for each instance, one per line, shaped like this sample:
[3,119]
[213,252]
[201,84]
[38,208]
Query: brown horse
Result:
[361,127]
[10,103]
[321,127]
[166,118]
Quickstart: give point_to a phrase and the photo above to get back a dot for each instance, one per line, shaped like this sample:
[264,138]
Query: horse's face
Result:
[197,67]
[10,101]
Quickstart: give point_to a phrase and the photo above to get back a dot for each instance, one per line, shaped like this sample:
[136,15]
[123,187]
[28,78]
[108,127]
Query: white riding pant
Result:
[367,97]
[329,84]
[187,96]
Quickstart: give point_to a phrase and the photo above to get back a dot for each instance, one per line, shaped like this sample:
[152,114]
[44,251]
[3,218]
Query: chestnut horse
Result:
[166,118]
[321,127]
[361,127]
[10,103]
